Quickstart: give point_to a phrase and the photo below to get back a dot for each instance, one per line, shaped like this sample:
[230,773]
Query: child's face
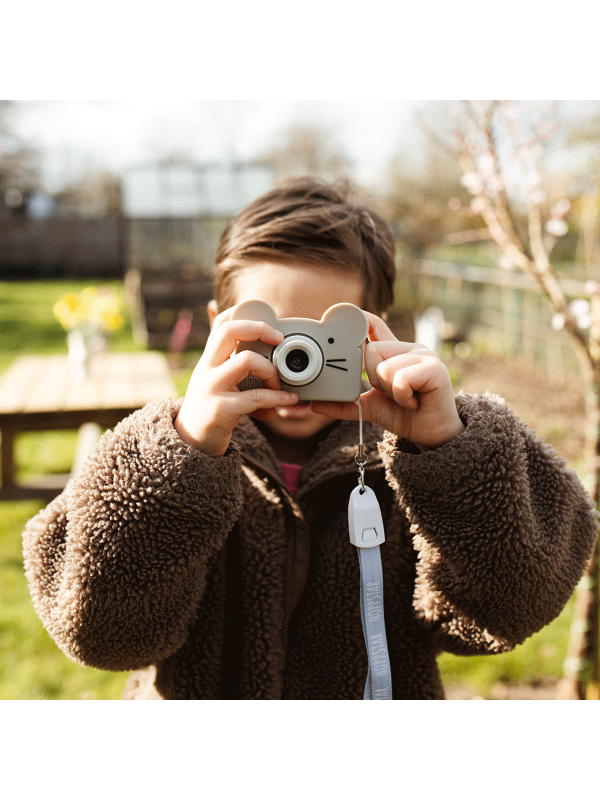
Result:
[298,291]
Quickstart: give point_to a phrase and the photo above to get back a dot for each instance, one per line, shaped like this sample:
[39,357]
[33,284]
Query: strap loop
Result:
[379,678]
[366,533]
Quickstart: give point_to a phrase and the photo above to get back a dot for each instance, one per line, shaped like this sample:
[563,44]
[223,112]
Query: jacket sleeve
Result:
[503,529]
[117,563]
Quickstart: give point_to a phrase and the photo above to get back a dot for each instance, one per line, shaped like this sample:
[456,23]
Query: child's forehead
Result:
[298,289]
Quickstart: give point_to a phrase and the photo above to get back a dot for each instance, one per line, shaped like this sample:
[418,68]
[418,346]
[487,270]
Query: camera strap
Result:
[366,533]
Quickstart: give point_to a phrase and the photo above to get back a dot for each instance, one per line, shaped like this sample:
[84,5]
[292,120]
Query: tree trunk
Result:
[581,679]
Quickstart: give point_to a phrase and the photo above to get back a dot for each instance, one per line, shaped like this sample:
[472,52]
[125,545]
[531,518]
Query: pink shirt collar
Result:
[291,475]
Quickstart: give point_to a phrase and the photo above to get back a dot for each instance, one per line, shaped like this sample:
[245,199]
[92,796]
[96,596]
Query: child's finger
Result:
[378,330]
[410,382]
[221,318]
[224,339]
[251,400]
[240,365]
[383,358]
[334,409]
[376,407]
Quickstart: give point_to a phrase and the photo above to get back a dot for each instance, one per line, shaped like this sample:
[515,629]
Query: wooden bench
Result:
[38,393]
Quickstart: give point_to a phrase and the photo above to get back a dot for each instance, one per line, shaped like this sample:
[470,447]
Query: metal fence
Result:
[501,310]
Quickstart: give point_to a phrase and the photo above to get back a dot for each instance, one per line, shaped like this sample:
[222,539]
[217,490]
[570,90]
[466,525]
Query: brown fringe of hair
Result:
[309,221]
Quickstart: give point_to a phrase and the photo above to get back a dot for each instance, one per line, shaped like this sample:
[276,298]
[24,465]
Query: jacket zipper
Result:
[291,540]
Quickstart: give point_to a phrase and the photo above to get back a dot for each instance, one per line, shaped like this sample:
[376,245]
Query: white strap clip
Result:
[364,518]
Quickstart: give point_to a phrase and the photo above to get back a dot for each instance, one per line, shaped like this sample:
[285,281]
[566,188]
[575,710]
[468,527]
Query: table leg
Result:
[7,479]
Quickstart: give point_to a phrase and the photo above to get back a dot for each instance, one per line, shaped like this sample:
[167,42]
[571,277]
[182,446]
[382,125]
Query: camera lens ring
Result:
[315,359]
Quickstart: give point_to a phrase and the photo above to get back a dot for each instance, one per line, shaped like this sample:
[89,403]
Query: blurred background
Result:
[110,215]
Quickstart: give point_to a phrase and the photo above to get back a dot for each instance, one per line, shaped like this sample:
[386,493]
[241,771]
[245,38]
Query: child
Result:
[205,543]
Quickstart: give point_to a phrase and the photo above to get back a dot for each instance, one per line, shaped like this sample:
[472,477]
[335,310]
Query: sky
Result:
[74,135]
[359,69]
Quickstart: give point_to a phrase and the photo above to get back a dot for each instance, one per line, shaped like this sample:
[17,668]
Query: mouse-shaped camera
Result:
[317,360]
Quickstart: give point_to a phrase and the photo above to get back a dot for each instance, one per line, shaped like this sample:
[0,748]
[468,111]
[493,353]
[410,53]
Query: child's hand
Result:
[412,393]
[213,405]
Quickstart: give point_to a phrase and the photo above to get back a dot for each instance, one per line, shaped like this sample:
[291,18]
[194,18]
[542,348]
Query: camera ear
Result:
[256,310]
[350,320]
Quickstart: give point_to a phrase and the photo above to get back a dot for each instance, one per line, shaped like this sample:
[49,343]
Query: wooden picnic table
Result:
[38,393]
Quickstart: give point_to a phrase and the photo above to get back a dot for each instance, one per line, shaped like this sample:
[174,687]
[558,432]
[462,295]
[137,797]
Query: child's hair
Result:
[311,222]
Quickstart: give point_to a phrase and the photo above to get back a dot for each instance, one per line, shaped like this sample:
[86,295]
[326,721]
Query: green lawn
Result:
[31,666]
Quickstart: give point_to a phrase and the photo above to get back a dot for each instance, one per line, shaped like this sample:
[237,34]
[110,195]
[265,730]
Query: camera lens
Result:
[297,360]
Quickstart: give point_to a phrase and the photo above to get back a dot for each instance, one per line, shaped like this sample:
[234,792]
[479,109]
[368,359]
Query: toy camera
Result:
[317,360]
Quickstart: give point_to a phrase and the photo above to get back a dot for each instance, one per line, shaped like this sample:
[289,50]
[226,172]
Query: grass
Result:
[31,665]
[538,660]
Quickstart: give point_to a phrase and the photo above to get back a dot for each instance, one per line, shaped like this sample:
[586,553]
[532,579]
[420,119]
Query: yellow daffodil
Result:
[92,308]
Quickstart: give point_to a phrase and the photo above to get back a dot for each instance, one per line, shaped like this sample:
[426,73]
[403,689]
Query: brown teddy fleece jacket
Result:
[210,581]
